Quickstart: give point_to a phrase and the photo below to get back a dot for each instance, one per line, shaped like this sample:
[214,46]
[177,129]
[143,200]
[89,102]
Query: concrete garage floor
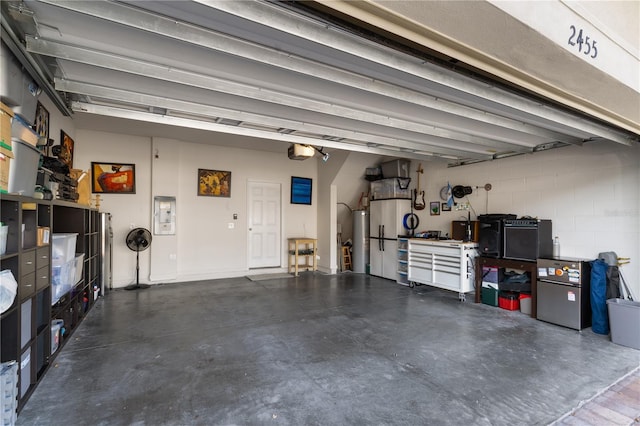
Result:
[318,349]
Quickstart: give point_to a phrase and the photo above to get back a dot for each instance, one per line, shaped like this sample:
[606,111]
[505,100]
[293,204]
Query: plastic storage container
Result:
[624,317]
[21,130]
[490,296]
[390,188]
[396,169]
[508,301]
[491,274]
[64,248]
[525,303]
[8,393]
[62,277]
[24,168]
[56,326]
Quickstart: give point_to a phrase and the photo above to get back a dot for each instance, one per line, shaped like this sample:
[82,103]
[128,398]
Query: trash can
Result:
[624,317]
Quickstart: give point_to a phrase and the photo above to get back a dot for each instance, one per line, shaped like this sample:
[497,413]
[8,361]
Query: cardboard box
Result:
[5,166]
[43,235]
[6,114]
[84,185]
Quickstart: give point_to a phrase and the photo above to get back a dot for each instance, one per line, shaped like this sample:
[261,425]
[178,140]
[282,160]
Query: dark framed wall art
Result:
[214,183]
[113,178]
[41,127]
[67,146]
[434,208]
[301,190]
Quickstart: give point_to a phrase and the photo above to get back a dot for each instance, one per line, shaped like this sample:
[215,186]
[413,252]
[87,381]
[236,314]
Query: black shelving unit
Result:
[25,328]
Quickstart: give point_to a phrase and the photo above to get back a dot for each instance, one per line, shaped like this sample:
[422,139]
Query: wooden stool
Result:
[346,258]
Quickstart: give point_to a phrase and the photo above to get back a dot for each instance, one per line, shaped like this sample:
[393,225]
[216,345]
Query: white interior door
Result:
[264,224]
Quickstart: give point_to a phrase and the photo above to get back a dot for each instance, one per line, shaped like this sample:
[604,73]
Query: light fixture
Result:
[325,155]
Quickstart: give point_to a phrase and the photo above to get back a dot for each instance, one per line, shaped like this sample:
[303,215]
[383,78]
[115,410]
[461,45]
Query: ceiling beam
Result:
[237,130]
[291,23]
[147,21]
[117,62]
[31,65]
[208,113]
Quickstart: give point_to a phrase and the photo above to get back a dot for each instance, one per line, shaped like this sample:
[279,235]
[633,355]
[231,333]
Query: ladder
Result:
[346,258]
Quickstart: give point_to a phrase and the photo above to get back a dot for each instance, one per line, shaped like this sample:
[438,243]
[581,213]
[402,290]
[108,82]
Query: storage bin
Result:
[56,327]
[525,303]
[24,168]
[390,188]
[62,277]
[8,393]
[490,296]
[491,274]
[396,169]
[624,320]
[508,301]
[21,130]
[373,173]
[64,247]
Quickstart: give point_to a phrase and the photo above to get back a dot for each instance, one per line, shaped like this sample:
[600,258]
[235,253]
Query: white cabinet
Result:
[383,260]
[385,226]
[442,264]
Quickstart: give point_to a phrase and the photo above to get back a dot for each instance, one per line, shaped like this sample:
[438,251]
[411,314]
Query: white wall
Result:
[591,194]
[205,246]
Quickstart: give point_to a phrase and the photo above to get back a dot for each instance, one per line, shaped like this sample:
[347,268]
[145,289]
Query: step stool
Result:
[346,258]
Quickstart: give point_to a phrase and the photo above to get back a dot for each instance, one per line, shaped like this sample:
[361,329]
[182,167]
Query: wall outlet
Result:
[132,225]
[231,225]
[173,256]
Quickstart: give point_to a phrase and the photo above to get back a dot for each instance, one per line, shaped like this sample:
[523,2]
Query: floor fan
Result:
[138,239]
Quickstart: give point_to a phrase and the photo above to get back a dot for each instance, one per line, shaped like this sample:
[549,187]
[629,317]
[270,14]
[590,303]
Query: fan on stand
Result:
[138,239]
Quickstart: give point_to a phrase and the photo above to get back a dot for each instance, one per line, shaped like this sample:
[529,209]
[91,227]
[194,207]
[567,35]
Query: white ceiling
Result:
[261,70]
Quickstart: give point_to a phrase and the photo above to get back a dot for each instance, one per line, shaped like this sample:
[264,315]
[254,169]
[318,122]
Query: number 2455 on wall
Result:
[575,39]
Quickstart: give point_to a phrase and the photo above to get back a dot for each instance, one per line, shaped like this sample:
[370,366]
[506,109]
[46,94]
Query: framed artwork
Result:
[445,207]
[434,208]
[113,178]
[301,190]
[41,126]
[67,145]
[214,183]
